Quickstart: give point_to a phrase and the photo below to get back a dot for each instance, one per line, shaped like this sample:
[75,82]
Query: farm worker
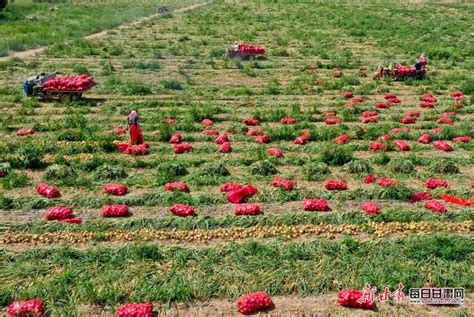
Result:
[236,46]
[424,59]
[419,72]
[136,136]
[379,73]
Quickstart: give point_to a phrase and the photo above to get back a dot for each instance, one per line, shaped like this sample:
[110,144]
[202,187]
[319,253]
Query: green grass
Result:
[145,272]
[25,24]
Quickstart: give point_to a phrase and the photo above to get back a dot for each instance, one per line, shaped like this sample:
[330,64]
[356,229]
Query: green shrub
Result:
[336,156]
[109,172]
[381,158]
[263,168]
[212,168]
[15,180]
[443,166]
[29,156]
[401,165]
[314,171]
[172,168]
[172,84]
[64,174]
[358,166]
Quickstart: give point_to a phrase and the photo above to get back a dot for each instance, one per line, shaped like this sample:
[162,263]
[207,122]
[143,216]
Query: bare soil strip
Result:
[293,305]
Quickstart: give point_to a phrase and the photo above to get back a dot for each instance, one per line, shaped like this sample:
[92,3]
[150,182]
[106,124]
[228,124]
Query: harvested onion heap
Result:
[237,233]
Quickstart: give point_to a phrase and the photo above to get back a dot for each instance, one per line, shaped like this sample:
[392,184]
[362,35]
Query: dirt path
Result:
[292,305]
[39,50]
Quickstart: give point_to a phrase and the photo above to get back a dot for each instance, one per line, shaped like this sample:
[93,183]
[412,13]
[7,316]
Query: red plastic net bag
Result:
[225,147]
[76,221]
[183,210]
[332,121]
[246,209]
[342,139]
[210,132]
[182,148]
[33,307]
[221,139]
[335,184]
[420,196]
[283,183]
[115,211]
[126,148]
[229,187]
[301,140]
[398,130]
[254,302]
[424,139]
[433,183]
[384,138]
[177,186]
[376,146]
[238,195]
[382,105]
[455,200]
[119,131]
[274,151]
[207,122]
[445,120]
[347,94]
[314,204]
[23,132]
[403,146]
[394,100]
[367,114]
[435,206]
[255,132]
[370,208]
[415,114]
[369,179]
[455,94]
[288,120]
[358,99]
[175,138]
[262,139]
[353,298]
[55,213]
[48,191]
[386,182]
[369,120]
[252,122]
[462,139]
[115,189]
[135,310]
[389,96]
[328,114]
[443,146]
[408,120]
[427,104]
[428,97]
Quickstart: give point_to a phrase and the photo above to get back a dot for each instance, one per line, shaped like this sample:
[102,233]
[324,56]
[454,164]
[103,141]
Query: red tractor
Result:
[245,51]
[400,72]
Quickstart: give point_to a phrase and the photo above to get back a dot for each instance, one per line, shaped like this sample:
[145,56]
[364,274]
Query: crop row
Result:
[233,234]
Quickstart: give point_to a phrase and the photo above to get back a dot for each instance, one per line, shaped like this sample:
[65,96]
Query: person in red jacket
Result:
[136,136]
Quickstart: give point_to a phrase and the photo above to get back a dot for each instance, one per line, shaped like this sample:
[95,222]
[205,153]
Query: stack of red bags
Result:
[69,83]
